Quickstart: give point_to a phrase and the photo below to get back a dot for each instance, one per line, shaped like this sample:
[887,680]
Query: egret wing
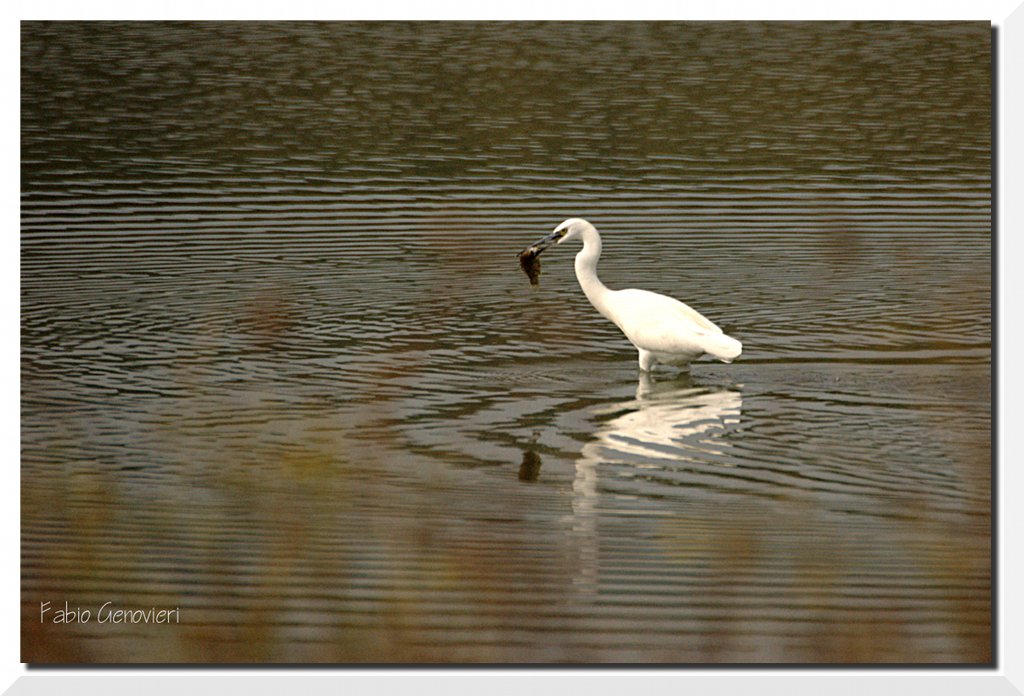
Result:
[650,307]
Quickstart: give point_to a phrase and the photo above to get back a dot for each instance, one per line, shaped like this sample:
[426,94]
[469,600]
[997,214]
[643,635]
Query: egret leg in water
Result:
[664,330]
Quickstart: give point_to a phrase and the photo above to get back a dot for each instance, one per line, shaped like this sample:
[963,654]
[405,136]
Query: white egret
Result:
[662,329]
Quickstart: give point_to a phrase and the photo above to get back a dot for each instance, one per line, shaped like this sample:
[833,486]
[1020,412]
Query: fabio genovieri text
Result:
[107,613]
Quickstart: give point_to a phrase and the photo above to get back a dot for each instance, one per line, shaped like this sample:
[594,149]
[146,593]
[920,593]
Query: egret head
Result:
[573,228]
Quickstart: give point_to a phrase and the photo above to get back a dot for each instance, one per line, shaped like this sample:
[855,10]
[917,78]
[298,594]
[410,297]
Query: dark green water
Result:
[280,369]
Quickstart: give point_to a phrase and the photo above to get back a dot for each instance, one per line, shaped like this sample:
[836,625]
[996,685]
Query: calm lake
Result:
[281,370]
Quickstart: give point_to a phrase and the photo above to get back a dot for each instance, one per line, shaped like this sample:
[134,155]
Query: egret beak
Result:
[540,245]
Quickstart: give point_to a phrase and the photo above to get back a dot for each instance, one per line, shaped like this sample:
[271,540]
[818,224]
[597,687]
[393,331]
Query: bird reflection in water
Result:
[676,420]
[670,423]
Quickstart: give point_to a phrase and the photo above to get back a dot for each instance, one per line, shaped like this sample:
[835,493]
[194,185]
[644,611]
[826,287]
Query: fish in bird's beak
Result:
[529,258]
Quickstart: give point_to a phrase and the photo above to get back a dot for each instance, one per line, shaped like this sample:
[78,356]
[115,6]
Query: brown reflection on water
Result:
[814,598]
[317,550]
[529,469]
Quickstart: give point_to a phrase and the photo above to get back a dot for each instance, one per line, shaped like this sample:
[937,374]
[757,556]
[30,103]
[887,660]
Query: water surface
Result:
[280,368]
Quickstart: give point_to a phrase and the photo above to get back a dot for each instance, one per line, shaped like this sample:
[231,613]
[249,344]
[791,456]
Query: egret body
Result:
[662,329]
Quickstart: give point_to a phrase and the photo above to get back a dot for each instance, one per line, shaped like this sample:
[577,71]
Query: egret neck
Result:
[586,273]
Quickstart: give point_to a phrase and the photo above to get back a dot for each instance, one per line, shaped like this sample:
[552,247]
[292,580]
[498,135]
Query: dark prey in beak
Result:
[529,258]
